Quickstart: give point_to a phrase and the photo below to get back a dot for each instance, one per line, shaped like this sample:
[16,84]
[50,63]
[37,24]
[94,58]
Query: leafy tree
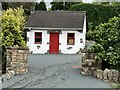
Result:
[41,6]
[62,5]
[27,6]
[106,1]
[13,21]
[5,5]
[107,38]
[97,13]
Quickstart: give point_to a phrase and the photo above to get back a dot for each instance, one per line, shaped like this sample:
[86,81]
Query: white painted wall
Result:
[28,35]
[44,47]
[84,31]
[76,47]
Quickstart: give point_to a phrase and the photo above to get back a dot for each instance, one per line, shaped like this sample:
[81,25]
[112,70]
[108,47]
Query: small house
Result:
[56,32]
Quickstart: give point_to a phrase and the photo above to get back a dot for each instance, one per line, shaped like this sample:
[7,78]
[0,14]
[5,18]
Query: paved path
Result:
[54,71]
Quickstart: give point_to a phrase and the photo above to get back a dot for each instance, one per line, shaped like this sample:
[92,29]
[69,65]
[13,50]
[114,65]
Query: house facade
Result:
[56,32]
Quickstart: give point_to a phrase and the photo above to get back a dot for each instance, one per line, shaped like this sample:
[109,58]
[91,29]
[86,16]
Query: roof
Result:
[56,19]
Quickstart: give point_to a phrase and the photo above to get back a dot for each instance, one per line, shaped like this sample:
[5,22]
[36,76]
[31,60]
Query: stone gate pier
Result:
[17,61]
[91,66]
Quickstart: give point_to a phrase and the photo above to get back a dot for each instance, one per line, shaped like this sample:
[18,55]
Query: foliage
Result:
[116,85]
[13,21]
[41,6]
[107,38]
[105,2]
[62,5]
[27,6]
[97,13]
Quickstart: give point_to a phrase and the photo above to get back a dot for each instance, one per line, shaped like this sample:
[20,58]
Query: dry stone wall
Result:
[90,66]
[17,61]
[108,75]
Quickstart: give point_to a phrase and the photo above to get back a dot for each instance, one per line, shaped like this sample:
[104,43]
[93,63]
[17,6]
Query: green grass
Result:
[115,85]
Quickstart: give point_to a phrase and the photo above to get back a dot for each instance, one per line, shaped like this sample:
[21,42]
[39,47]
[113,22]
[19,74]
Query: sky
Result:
[48,2]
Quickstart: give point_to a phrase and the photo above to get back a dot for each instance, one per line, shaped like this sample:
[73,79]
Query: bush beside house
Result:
[13,21]
[107,38]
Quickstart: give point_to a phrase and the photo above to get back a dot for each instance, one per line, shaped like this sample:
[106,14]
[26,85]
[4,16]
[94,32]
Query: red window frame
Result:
[38,37]
[70,37]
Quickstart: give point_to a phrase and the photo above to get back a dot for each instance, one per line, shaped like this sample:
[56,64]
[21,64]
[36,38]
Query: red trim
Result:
[40,37]
[69,37]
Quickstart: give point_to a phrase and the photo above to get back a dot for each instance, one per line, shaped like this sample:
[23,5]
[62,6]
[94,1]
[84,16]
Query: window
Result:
[38,37]
[70,38]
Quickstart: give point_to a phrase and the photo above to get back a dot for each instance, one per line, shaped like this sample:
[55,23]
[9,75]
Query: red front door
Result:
[54,43]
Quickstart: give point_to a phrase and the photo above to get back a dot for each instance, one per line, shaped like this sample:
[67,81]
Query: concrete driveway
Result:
[54,71]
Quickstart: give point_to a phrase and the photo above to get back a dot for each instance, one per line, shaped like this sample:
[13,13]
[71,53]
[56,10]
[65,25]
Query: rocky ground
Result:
[54,71]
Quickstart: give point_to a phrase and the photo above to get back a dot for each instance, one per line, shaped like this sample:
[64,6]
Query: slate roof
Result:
[56,19]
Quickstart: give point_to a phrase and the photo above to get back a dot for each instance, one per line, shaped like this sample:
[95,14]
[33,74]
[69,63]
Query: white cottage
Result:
[56,32]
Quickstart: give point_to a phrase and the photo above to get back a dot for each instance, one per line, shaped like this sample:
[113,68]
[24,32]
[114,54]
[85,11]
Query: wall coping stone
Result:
[18,48]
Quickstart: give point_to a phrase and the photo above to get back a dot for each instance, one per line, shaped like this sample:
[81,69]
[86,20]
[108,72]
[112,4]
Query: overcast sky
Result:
[48,2]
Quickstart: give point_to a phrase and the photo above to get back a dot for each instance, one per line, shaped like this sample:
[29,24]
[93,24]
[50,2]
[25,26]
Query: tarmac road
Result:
[54,71]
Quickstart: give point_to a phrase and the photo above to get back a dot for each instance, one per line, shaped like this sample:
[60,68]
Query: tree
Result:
[13,21]
[5,5]
[27,6]
[97,13]
[105,1]
[41,6]
[62,5]
[107,38]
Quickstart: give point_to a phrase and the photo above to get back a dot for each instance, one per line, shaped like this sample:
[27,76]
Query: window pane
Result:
[38,37]
[38,40]
[71,35]
[70,41]
[70,38]
[38,34]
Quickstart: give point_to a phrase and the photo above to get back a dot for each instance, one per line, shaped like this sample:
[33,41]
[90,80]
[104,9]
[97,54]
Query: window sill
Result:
[70,44]
[37,43]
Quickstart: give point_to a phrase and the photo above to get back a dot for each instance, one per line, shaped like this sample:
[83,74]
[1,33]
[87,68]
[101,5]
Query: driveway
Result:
[54,71]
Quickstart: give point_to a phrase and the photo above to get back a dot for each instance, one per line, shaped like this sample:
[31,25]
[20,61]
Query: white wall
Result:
[76,47]
[28,35]
[43,47]
[84,30]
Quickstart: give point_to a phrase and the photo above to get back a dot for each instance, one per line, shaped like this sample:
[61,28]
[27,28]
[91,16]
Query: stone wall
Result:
[90,66]
[108,75]
[17,61]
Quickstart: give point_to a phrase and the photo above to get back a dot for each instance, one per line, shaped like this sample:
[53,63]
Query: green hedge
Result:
[97,13]
[107,38]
